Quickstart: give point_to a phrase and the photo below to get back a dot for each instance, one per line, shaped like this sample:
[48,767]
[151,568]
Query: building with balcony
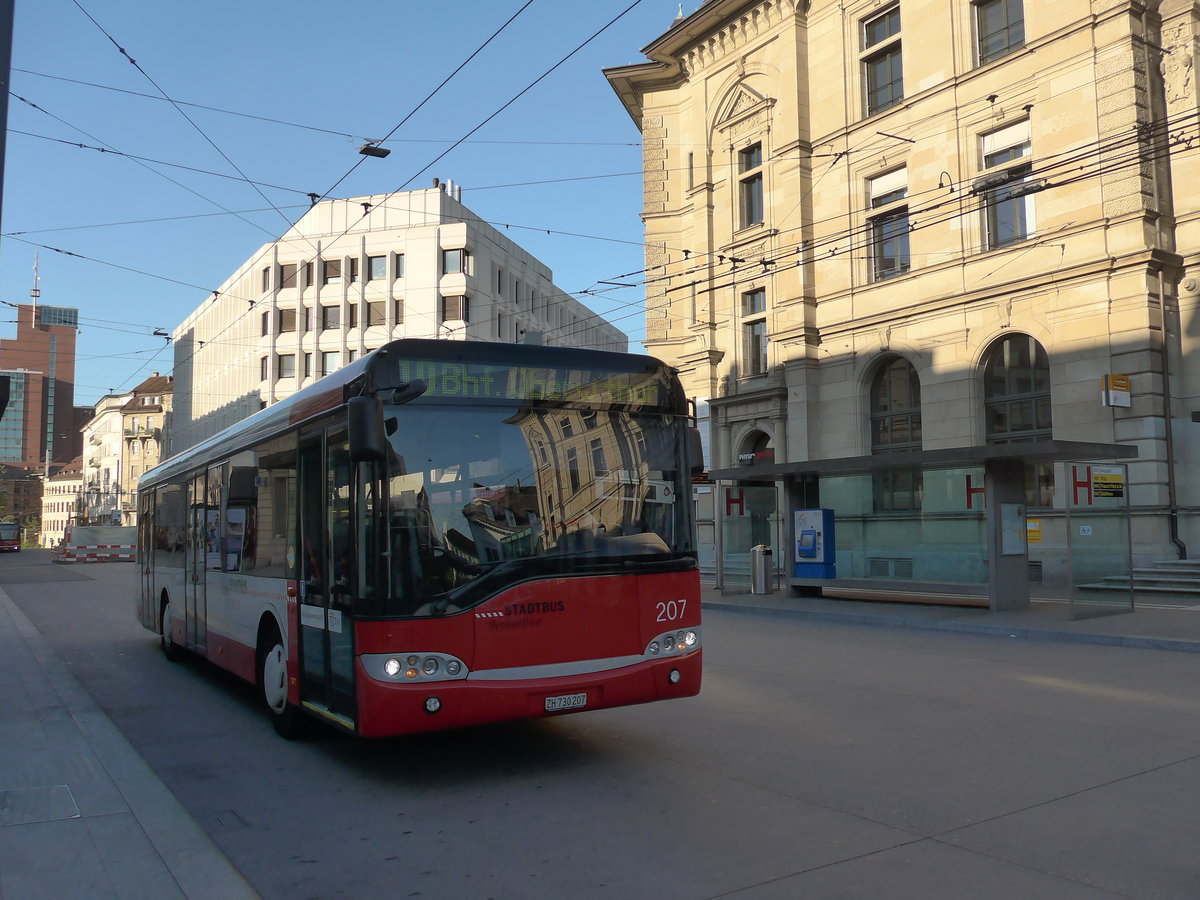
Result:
[145,418]
[911,227]
[103,454]
[347,278]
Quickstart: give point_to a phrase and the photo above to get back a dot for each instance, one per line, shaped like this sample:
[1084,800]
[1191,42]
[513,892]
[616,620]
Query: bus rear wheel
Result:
[287,720]
[170,649]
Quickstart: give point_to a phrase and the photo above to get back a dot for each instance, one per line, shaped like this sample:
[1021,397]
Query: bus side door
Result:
[327,582]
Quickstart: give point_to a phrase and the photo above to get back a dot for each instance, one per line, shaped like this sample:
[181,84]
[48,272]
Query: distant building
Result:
[103,451]
[62,501]
[40,424]
[350,276]
[145,418]
[21,497]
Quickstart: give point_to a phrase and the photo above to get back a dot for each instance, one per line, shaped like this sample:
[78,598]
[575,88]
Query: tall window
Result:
[883,69]
[999,28]
[1016,406]
[754,332]
[1006,186]
[895,428]
[1016,391]
[754,347]
[331,271]
[330,360]
[895,408]
[750,186]
[287,275]
[889,225]
[399,265]
[266,278]
[287,321]
[376,268]
[287,365]
[331,317]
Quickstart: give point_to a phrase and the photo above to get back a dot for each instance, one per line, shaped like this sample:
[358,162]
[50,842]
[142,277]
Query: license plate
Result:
[566,701]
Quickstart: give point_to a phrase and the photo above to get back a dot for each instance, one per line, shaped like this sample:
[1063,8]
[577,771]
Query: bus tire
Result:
[170,649]
[287,719]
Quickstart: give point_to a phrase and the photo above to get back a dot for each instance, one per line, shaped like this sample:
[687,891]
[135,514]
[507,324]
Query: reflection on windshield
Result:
[479,490]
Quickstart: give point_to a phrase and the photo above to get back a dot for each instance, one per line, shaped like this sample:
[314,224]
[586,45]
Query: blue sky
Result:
[150,248]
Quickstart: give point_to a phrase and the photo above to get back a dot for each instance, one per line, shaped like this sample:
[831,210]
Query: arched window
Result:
[1016,405]
[1016,391]
[896,427]
[895,408]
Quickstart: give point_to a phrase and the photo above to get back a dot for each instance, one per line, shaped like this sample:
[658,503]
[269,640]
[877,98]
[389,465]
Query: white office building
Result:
[350,276]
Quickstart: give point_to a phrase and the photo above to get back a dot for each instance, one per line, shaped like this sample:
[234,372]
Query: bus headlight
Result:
[414,667]
[674,642]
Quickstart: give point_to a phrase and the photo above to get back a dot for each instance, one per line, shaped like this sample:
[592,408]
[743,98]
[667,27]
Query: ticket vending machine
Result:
[814,543]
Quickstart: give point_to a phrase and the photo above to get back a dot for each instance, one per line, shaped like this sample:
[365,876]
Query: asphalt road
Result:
[820,760]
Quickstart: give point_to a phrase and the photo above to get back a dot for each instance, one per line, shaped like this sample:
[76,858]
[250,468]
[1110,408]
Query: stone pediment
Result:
[741,102]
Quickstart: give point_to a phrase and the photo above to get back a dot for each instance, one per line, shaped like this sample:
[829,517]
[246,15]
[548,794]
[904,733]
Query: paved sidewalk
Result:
[1152,625]
[81,814]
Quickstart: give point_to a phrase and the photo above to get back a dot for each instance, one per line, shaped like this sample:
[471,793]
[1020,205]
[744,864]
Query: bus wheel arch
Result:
[271,654]
[170,649]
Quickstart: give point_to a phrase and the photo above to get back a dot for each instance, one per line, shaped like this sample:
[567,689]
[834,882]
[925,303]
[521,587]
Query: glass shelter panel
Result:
[940,538]
[1098,539]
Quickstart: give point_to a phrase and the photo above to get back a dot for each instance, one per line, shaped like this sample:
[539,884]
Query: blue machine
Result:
[815,545]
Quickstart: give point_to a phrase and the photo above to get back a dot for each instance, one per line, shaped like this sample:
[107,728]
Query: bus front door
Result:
[326,580]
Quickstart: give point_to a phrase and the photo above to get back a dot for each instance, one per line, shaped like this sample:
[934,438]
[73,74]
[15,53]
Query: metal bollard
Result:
[761,576]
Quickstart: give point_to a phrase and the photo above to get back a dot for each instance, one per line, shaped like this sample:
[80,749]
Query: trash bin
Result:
[761,576]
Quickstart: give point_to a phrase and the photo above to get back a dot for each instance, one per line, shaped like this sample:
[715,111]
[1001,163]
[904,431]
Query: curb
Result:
[1140,642]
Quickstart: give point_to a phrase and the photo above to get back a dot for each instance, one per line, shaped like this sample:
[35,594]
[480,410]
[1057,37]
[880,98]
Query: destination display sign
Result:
[454,380]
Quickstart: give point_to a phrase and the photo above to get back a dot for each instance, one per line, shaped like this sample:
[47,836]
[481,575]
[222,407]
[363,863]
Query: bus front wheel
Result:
[273,682]
[170,649]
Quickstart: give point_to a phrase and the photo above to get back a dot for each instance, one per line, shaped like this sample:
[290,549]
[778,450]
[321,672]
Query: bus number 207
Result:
[670,610]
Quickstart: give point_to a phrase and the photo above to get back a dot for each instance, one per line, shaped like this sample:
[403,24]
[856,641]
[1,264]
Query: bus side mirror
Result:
[366,431]
[695,451]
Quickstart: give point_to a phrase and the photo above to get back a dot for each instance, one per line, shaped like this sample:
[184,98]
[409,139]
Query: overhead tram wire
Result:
[181,111]
[434,92]
[344,134]
[462,139]
[145,166]
[158,162]
[352,168]
[1133,156]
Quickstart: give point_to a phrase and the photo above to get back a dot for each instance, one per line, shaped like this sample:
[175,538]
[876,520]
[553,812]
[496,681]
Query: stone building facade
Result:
[881,226]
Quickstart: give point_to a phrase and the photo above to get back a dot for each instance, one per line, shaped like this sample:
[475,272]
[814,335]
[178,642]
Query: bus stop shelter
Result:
[988,521]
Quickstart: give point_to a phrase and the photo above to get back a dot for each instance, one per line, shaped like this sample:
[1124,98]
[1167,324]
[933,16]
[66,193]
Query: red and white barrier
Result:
[95,553]
[97,543]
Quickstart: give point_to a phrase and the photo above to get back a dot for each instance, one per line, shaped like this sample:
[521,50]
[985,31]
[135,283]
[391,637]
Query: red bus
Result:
[439,534]
[10,536]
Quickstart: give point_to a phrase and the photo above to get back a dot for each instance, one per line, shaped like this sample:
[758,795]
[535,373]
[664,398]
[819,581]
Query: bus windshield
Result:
[478,496]
[8,531]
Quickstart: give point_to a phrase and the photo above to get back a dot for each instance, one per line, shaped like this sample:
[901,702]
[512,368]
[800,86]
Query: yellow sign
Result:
[1033,531]
[1115,390]
[1108,481]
